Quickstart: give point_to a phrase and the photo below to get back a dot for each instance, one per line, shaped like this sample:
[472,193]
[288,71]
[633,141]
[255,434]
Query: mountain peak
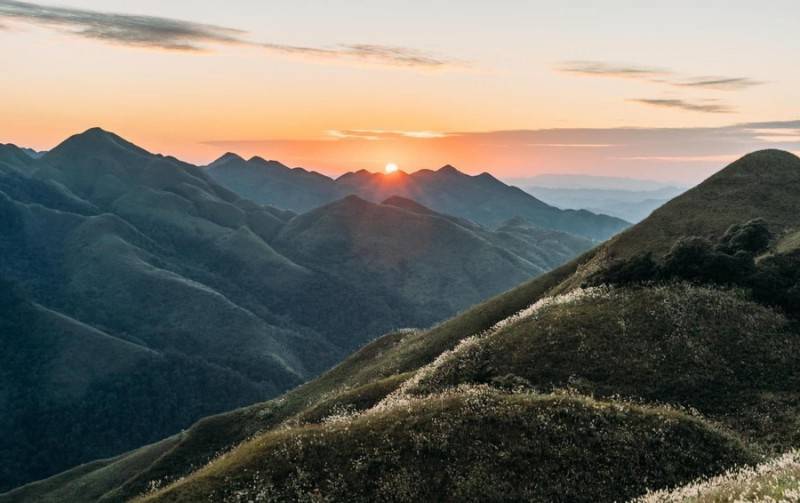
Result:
[770,163]
[228,157]
[353,199]
[449,169]
[94,141]
[406,204]
[261,161]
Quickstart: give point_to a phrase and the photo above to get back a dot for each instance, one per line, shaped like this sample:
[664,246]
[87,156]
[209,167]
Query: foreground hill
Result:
[687,379]
[775,480]
[482,198]
[158,297]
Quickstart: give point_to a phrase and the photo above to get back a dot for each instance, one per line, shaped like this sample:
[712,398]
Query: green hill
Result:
[155,256]
[775,480]
[687,380]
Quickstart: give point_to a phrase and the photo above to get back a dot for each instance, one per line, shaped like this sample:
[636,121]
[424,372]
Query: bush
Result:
[774,281]
[751,237]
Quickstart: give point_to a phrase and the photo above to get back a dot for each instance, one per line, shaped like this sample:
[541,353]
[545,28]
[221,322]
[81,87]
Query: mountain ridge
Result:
[152,252]
[511,342]
[453,358]
[481,198]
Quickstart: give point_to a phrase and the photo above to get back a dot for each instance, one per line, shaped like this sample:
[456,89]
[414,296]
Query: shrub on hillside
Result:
[729,261]
[752,237]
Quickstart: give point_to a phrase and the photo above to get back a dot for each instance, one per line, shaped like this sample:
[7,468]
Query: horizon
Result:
[342,87]
[653,183]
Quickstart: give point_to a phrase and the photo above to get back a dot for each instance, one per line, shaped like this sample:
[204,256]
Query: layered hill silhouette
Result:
[146,295]
[544,393]
[483,198]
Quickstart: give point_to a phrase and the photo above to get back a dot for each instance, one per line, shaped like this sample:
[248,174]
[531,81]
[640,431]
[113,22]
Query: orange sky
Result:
[280,79]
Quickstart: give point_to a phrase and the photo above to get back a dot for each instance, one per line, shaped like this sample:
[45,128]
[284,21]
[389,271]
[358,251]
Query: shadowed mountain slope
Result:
[195,286]
[516,373]
[482,198]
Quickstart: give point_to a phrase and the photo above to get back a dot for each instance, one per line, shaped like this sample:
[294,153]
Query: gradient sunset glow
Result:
[517,89]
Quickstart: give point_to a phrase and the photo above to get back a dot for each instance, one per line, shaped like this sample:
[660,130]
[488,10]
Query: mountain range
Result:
[482,199]
[139,295]
[632,206]
[583,384]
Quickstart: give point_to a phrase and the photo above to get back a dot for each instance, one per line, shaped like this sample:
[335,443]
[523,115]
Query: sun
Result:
[391,168]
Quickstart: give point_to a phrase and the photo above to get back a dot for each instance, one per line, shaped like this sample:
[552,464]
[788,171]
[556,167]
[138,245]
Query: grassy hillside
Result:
[470,444]
[693,370]
[776,480]
[152,253]
[759,185]
[385,359]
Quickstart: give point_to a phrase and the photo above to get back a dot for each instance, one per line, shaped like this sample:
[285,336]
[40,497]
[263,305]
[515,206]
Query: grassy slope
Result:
[777,480]
[397,354]
[476,445]
[390,355]
[728,358]
[762,184]
[152,252]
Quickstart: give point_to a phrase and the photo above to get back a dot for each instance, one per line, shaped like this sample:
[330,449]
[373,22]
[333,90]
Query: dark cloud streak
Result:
[600,69]
[713,108]
[178,35]
[397,56]
[125,29]
[655,75]
[722,83]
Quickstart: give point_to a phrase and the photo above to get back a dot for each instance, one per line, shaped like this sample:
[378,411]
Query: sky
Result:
[667,91]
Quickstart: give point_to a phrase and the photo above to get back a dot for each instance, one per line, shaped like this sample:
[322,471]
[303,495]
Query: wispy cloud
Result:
[655,75]
[379,134]
[179,35]
[382,54]
[664,78]
[126,29]
[721,83]
[713,108]
[601,69]
[773,125]
[571,145]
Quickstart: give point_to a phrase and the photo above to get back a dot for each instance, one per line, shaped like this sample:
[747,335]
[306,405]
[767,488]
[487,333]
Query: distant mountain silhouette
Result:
[482,198]
[630,205]
[199,300]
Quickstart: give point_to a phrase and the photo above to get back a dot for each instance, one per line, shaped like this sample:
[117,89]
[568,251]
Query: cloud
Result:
[721,83]
[712,108]
[601,69]
[125,29]
[380,134]
[773,125]
[571,145]
[178,35]
[380,54]
[655,75]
